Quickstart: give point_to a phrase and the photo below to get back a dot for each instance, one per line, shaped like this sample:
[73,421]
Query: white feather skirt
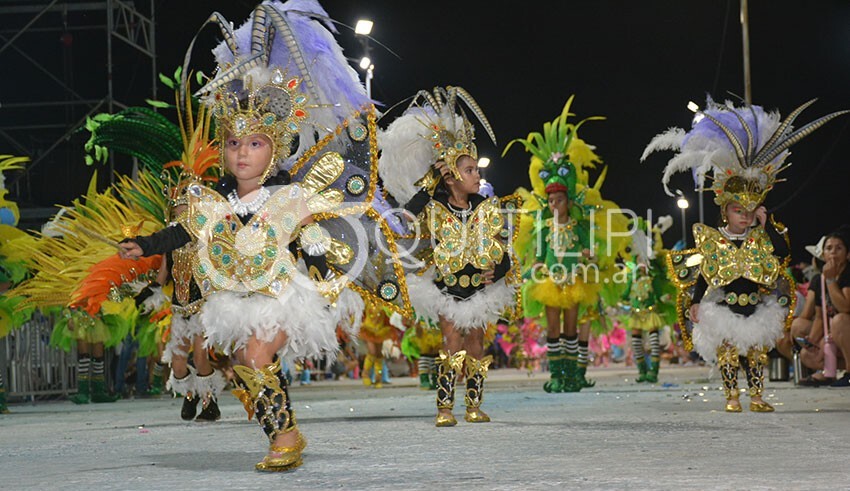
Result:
[476,312]
[718,324]
[230,318]
[182,331]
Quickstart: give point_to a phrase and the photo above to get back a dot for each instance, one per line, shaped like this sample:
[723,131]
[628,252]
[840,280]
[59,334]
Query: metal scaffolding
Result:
[57,113]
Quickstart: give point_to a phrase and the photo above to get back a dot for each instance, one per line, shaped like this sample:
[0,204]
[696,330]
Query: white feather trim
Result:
[153,302]
[183,385]
[476,312]
[664,223]
[300,311]
[669,140]
[212,384]
[407,152]
[348,312]
[718,324]
[182,331]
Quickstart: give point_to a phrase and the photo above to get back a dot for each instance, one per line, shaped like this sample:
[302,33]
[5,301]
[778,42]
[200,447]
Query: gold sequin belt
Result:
[463,280]
[742,299]
[187,310]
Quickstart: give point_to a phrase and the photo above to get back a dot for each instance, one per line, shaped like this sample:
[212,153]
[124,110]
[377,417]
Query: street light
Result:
[362,29]
[683,204]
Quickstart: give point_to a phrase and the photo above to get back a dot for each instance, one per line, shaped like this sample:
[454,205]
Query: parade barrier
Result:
[31,367]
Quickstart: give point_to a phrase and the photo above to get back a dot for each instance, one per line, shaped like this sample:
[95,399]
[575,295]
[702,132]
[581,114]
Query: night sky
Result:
[637,63]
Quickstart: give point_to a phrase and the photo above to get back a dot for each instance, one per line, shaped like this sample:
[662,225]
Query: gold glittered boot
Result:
[267,387]
[366,371]
[756,361]
[727,362]
[476,372]
[448,367]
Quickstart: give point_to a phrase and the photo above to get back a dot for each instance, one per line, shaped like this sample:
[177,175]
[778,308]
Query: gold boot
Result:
[733,408]
[365,374]
[268,389]
[447,368]
[756,361]
[290,457]
[476,372]
[727,362]
[379,372]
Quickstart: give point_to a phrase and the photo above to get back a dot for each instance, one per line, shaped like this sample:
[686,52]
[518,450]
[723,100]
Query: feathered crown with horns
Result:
[450,132]
[270,67]
[745,149]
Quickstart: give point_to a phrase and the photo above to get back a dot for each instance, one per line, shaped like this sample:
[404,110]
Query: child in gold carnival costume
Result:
[375,329]
[741,296]
[283,81]
[466,281]
[183,155]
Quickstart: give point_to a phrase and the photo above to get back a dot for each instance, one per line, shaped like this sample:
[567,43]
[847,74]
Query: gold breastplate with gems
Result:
[474,241]
[723,262]
[254,257]
[562,237]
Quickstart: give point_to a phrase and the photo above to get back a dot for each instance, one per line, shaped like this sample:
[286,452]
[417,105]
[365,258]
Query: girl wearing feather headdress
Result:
[272,95]
[741,298]
[468,281]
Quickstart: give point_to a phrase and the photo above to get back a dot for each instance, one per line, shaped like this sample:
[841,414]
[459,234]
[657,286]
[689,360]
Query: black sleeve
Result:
[417,202]
[166,240]
[780,247]
[502,268]
[699,289]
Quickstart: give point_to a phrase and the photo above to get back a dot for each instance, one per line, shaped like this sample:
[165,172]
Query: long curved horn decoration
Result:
[476,109]
[780,131]
[736,144]
[797,136]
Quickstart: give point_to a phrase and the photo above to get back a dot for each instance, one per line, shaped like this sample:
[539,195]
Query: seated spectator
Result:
[804,313]
[836,278]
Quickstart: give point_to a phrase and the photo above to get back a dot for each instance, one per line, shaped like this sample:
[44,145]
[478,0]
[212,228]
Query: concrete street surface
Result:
[619,435]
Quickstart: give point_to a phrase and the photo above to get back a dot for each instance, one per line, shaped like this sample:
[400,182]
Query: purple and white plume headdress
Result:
[744,149]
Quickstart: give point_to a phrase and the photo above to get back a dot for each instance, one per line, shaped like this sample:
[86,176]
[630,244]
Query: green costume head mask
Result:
[558,155]
[559,174]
